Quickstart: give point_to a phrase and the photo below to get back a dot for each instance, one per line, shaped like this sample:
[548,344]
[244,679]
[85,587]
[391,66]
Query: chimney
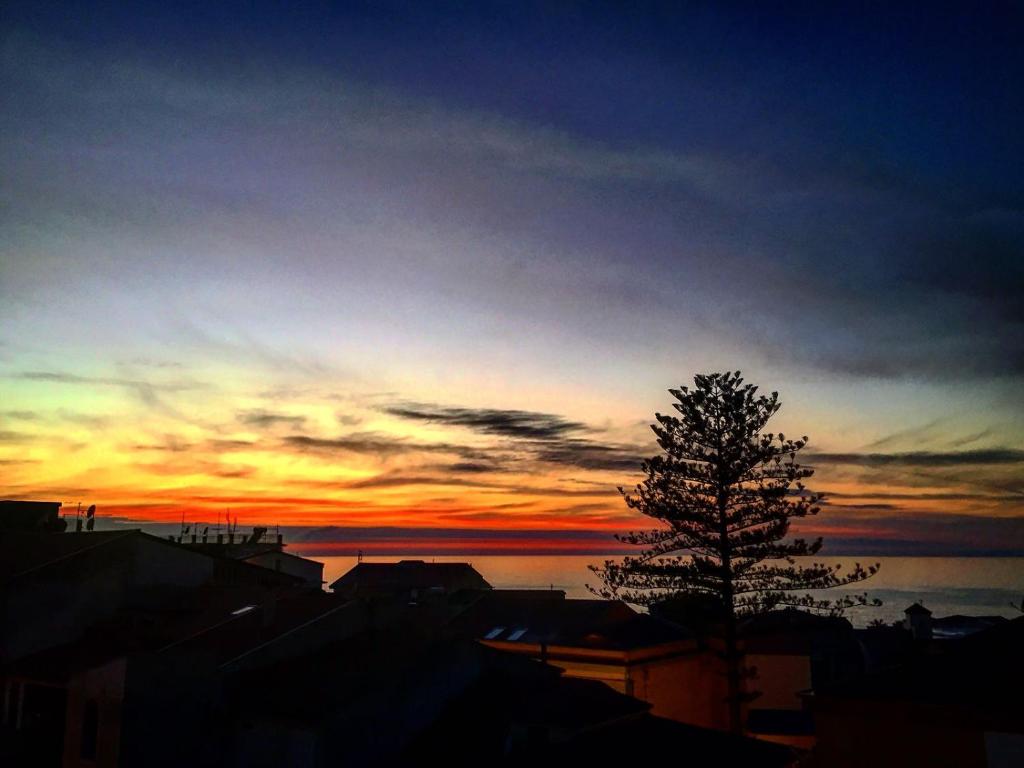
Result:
[918,620]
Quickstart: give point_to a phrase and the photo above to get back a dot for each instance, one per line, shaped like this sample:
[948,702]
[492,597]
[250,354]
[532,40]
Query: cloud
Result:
[169,444]
[924,433]
[377,444]
[73,378]
[928,496]
[541,437]
[233,341]
[959,442]
[587,454]
[893,281]
[21,415]
[875,507]
[918,534]
[147,392]
[471,468]
[491,421]
[10,436]
[400,480]
[982,456]
[267,419]
[174,444]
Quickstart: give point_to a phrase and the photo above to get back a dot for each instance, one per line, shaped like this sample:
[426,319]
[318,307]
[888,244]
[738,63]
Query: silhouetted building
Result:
[883,647]
[408,580]
[258,548]
[180,687]
[918,621]
[75,607]
[791,653]
[520,713]
[959,704]
[605,641]
[53,586]
[31,516]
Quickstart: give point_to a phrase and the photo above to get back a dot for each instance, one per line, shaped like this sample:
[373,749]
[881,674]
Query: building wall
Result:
[56,604]
[31,723]
[173,711]
[310,571]
[690,689]
[852,734]
[105,687]
[780,678]
[155,562]
[613,675]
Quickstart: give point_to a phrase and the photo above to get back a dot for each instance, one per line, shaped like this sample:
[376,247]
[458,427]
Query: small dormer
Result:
[918,620]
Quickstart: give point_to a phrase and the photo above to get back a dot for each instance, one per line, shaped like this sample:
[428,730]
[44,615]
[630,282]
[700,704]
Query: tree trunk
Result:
[732,659]
[732,671]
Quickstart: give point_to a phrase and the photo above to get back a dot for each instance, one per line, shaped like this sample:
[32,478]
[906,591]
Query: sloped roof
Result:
[220,621]
[22,552]
[407,575]
[917,610]
[598,624]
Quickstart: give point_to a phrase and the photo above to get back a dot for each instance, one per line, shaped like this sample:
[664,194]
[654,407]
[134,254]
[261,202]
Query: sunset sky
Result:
[397,266]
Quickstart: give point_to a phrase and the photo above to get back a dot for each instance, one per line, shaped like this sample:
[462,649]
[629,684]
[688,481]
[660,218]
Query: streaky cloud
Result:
[491,421]
[981,456]
[263,419]
[376,444]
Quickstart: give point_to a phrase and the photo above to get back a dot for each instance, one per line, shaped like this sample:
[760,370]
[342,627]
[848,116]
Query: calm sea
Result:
[946,585]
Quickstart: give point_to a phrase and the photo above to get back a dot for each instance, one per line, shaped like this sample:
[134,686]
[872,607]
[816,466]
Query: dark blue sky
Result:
[867,155]
[926,92]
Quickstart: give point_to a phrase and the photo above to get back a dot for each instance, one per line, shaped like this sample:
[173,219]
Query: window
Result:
[90,729]
[517,634]
[494,633]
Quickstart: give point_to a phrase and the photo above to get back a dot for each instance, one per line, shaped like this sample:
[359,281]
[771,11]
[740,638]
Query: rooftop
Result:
[518,617]
[917,610]
[407,575]
[22,553]
[30,515]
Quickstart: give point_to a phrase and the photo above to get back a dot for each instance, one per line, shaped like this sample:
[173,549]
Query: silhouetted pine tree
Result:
[725,492]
